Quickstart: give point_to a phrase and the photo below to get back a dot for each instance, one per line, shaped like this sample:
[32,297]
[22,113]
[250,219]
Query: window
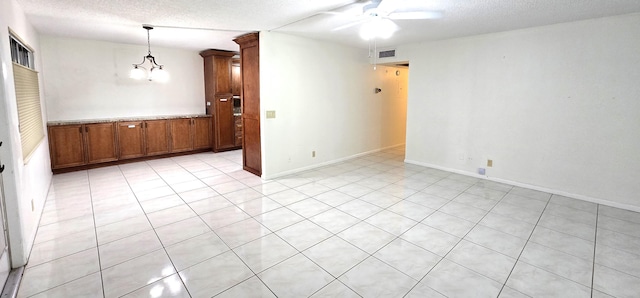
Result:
[27,97]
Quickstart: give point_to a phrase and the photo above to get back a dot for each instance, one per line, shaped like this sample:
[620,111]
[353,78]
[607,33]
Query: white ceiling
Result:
[220,21]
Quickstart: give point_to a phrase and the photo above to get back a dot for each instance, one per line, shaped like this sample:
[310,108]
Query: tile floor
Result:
[199,226]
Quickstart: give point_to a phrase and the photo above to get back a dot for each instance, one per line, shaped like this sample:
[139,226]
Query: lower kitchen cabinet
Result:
[181,135]
[80,144]
[100,140]
[131,139]
[157,136]
[75,145]
[201,133]
[66,146]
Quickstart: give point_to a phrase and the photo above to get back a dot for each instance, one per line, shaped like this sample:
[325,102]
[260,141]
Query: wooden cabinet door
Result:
[131,139]
[66,146]
[202,133]
[250,73]
[223,75]
[236,83]
[225,137]
[100,140]
[156,134]
[181,135]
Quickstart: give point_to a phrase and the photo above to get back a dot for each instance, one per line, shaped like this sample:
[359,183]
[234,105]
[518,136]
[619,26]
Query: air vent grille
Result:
[387,54]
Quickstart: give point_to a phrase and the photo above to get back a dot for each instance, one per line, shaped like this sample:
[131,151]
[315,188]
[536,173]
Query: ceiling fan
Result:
[377,17]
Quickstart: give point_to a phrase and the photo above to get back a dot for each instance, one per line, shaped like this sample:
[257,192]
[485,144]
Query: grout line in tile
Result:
[595,243]
[525,246]
[462,238]
[95,231]
[157,236]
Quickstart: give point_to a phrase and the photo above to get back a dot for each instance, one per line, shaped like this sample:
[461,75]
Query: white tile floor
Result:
[199,226]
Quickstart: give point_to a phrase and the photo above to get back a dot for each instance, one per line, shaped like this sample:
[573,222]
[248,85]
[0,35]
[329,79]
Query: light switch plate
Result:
[271,114]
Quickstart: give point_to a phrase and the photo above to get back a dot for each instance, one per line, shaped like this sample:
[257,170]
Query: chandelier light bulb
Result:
[156,71]
[137,73]
[159,75]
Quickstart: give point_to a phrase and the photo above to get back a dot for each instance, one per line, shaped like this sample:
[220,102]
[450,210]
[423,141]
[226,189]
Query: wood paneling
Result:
[66,146]
[250,75]
[131,139]
[101,142]
[157,136]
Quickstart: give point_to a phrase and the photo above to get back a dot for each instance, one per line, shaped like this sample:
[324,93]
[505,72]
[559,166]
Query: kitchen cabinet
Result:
[238,128]
[156,137]
[250,76]
[236,83]
[100,140]
[181,134]
[222,82]
[66,146]
[224,127]
[131,139]
[83,144]
[201,133]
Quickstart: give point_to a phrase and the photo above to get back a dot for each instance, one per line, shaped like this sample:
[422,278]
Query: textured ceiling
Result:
[220,21]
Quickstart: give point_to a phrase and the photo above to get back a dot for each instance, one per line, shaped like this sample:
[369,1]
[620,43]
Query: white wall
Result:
[555,107]
[324,101]
[22,182]
[86,79]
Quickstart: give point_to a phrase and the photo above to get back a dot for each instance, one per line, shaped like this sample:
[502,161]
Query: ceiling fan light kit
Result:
[377,28]
[155,71]
[377,18]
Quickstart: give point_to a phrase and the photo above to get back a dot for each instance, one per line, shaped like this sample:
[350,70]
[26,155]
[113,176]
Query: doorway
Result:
[393,81]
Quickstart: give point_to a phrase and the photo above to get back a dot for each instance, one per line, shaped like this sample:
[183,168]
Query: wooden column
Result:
[250,93]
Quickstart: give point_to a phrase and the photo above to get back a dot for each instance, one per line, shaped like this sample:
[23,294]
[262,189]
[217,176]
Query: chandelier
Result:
[154,71]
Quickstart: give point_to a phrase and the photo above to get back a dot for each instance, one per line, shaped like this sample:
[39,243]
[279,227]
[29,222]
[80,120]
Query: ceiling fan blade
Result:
[415,15]
[387,6]
[349,25]
[336,13]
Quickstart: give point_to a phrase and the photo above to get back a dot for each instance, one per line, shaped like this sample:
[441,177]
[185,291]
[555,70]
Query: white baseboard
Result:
[534,187]
[326,163]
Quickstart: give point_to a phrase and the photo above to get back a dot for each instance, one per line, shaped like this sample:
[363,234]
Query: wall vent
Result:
[387,54]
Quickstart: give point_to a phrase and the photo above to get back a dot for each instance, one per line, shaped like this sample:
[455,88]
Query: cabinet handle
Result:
[86,129]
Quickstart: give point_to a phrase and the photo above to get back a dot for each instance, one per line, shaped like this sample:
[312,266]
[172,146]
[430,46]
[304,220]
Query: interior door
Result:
[5,264]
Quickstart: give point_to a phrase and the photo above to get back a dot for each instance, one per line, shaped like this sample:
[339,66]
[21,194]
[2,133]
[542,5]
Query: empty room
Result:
[383,148]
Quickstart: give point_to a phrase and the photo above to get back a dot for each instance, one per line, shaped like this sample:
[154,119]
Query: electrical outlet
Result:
[489,163]
[313,153]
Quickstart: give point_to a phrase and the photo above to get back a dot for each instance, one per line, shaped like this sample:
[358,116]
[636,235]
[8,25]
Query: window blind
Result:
[29,111]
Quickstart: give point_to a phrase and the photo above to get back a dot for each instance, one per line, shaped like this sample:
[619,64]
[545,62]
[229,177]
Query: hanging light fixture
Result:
[377,27]
[155,71]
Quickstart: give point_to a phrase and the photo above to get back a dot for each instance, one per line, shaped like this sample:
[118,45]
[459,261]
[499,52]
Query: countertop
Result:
[121,119]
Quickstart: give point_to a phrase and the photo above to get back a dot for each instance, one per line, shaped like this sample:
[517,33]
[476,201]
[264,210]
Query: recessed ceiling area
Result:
[200,25]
